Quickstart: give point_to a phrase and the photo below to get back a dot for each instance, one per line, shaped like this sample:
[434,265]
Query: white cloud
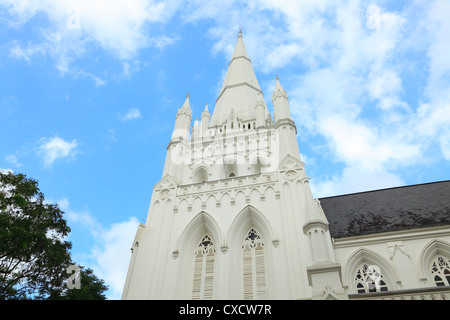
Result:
[6,171]
[109,251]
[352,91]
[433,114]
[11,158]
[385,83]
[355,179]
[26,53]
[356,142]
[97,80]
[83,218]
[436,30]
[112,254]
[133,113]
[55,148]
[444,142]
[120,27]
[126,69]
[162,41]
[357,62]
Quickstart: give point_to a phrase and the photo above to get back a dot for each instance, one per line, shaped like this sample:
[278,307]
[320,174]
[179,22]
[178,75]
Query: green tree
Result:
[34,254]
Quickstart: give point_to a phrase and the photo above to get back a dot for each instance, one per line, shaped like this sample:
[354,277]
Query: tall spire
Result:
[239,89]
[186,104]
[280,102]
[206,109]
[239,50]
[183,120]
[279,91]
[205,119]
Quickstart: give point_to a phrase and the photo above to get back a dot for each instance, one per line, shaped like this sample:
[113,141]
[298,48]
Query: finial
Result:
[240,32]
[205,112]
[187,95]
[278,78]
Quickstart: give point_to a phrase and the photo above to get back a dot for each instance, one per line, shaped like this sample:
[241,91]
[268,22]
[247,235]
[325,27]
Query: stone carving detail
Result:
[395,246]
[165,183]
[279,94]
[164,194]
[291,175]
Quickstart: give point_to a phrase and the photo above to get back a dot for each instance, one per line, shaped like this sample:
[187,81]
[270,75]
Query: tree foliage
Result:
[34,254]
[91,288]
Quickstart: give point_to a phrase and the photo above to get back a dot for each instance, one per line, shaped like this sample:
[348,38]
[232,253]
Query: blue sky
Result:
[89,91]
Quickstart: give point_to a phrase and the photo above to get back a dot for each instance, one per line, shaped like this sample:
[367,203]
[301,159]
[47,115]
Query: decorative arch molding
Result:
[185,252]
[229,165]
[203,223]
[242,223]
[250,218]
[366,256]
[433,248]
[200,174]
[205,159]
[268,193]
[257,162]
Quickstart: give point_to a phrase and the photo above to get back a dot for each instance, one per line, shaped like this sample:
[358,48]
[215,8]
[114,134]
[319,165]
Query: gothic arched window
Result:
[204,269]
[369,279]
[440,270]
[254,275]
[230,170]
[200,175]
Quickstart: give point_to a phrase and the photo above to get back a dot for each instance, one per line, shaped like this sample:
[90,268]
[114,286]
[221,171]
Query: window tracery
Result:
[254,276]
[204,256]
[440,270]
[369,279]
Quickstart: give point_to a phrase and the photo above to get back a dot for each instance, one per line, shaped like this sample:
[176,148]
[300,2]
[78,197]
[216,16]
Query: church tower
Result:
[233,216]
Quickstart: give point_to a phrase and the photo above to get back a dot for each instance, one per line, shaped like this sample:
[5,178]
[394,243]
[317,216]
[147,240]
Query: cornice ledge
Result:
[315,224]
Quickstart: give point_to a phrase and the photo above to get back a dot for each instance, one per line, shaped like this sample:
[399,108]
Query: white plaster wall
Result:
[402,252]
[162,264]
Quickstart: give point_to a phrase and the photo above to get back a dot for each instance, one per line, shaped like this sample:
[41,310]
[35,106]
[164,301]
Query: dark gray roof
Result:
[392,209]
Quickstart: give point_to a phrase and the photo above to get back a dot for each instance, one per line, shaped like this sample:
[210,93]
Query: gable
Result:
[290,163]
[167,182]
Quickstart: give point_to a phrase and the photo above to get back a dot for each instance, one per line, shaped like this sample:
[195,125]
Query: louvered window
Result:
[440,269]
[254,275]
[204,270]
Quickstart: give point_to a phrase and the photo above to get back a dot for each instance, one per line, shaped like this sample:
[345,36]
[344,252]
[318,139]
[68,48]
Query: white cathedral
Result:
[233,216]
